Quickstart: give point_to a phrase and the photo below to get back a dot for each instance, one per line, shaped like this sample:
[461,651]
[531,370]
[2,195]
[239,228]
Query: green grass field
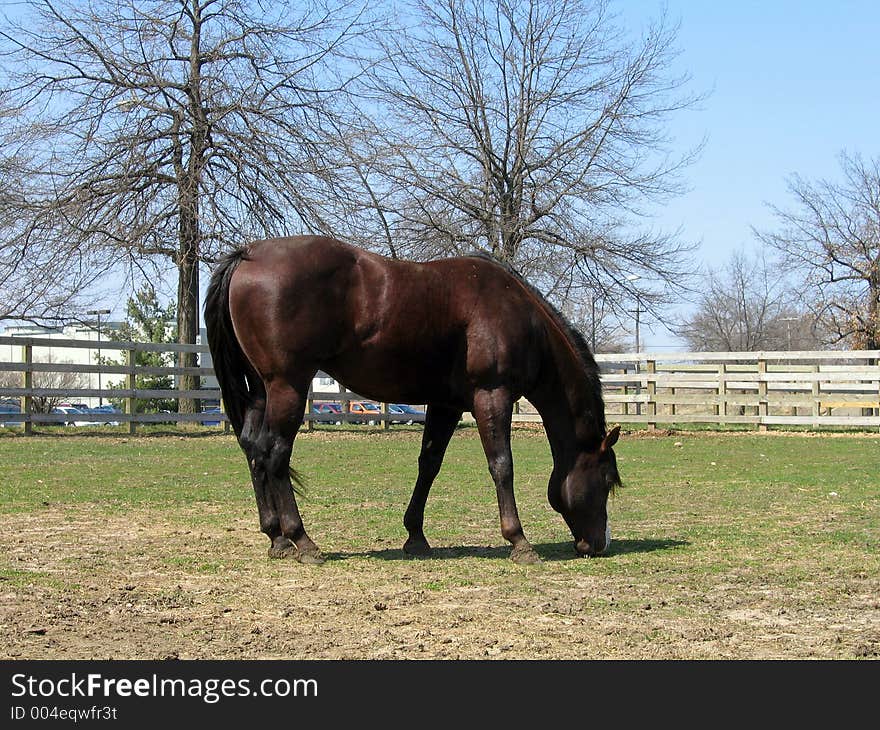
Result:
[724,545]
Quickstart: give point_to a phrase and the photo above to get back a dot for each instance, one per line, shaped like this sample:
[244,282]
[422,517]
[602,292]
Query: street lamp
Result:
[636,277]
[99,312]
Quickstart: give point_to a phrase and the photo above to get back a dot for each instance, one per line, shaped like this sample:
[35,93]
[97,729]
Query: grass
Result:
[735,489]
[706,525]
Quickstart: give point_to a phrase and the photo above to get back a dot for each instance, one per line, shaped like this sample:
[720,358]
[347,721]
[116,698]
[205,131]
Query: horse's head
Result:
[581,496]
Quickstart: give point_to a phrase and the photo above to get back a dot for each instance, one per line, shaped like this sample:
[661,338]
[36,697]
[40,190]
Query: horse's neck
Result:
[566,404]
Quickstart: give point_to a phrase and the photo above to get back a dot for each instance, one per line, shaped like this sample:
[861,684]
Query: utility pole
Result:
[788,321]
[636,277]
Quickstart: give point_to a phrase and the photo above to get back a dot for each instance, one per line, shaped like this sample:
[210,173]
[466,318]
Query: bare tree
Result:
[598,323]
[832,236]
[40,277]
[57,380]
[747,306]
[533,130]
[172,129]
[9,379]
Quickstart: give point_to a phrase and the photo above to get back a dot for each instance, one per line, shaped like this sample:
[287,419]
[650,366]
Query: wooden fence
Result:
[28,365]
[825,388]
[814,389]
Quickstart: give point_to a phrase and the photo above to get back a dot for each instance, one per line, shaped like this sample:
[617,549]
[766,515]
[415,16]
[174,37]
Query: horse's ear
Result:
[610,439]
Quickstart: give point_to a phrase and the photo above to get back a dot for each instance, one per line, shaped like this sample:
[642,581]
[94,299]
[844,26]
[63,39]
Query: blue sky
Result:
[791,85]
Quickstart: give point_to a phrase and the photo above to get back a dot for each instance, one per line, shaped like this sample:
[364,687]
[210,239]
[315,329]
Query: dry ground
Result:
[84,582]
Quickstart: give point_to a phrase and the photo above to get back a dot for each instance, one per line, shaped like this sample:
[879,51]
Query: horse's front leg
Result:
[285,407]
[493,411]
[440,423]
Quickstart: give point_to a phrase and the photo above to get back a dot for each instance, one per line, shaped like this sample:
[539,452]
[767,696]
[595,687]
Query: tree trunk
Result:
[873,333]
[190,235]
[188,304]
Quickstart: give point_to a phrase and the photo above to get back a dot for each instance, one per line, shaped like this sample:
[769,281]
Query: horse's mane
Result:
[575,336]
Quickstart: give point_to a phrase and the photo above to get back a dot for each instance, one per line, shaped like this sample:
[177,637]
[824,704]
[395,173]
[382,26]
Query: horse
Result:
[458,334]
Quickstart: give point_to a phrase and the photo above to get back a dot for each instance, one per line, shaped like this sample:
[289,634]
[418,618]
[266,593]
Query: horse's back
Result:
[284,294]
[389,329]
[297,259]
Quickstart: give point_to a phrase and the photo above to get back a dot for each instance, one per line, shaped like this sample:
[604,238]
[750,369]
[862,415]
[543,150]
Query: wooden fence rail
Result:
[814,389]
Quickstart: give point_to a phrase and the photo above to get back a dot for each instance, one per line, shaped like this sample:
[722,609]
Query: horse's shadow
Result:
[548,551]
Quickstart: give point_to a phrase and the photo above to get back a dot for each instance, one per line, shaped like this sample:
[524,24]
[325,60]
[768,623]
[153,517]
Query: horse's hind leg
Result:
[440,424]
[270,468]
[251,444]
[493,411]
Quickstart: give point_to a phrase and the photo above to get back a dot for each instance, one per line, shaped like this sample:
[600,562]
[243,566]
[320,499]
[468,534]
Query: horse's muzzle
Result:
[591,549]
[586,549]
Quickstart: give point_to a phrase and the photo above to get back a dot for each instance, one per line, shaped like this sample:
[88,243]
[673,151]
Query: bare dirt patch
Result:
[88,585]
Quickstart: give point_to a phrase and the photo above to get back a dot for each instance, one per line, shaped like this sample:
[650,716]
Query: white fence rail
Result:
[814,389]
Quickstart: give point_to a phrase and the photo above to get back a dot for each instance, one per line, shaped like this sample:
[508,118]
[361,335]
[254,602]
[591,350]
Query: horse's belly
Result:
[397,379]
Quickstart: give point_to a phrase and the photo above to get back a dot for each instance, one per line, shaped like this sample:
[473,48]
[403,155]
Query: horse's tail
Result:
[239,382]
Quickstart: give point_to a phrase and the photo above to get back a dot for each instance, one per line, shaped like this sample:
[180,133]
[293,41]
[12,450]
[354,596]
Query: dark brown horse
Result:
[459,334]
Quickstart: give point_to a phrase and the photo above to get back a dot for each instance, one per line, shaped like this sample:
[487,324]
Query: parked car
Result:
[109,409]
[327,410]
[408,412]
[211,423]
[365,407]
[73,413]
[79,406]
[10,407]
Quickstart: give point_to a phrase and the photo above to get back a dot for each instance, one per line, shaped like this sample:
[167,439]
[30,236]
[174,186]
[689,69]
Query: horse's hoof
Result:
[525,556]
[417,548]
[311,557]
[282,548]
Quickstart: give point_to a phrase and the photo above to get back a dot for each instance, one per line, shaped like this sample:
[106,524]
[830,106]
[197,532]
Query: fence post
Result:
[131,383]
[762,394]
[310,411]
[225,420]
[652,391]
[27,357]
[817,397]
[386,424]
[638,388]
[626,390]
[721,408]
[874,362]
[345,401]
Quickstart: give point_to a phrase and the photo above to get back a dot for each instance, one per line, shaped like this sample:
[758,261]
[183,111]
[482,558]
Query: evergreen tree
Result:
[148,321]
